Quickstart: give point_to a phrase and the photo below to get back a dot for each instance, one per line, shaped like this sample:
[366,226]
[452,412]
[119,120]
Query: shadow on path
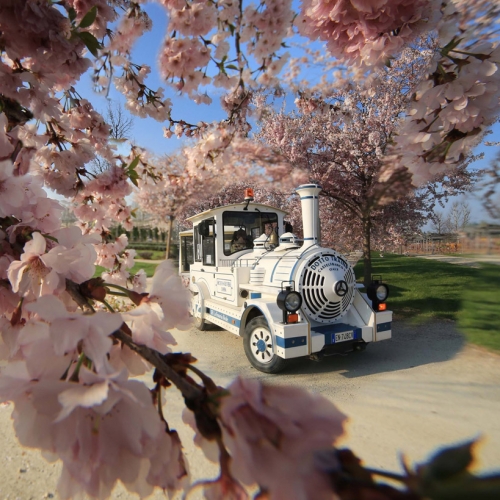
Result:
[410,346]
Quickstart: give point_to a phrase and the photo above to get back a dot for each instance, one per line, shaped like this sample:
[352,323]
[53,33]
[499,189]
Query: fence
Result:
[475,244]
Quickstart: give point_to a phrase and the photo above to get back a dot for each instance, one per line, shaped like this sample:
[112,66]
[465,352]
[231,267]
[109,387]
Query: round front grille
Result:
[317,284]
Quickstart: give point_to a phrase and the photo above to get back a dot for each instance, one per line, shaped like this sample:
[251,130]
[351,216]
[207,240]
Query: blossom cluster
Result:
[365,31]
[453,107]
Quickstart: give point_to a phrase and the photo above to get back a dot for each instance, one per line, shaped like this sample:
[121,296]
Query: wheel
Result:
[196,305]
[259,347]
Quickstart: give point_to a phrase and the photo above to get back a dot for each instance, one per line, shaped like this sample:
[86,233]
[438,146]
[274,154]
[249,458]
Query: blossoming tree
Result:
[68,358]
[342,139]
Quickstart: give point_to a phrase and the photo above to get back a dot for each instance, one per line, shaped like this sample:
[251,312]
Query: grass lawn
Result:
[422,289]
[147,266]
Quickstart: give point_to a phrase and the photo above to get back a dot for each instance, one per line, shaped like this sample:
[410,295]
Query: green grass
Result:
[147,266]
[422,290]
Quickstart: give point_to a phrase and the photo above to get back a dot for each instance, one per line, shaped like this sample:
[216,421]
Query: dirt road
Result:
[419,390]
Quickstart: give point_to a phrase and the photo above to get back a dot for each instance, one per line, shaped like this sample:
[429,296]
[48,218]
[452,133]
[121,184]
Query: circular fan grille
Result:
[317,277]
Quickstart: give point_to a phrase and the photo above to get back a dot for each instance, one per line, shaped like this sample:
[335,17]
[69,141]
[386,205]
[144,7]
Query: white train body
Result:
[232,286]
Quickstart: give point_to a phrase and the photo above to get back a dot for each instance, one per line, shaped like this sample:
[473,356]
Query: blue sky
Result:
[149,134]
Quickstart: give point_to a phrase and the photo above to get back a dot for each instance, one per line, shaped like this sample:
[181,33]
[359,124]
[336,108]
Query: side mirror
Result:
[204,228]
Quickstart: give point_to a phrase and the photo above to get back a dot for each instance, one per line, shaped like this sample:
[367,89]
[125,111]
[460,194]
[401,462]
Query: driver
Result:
[239,241]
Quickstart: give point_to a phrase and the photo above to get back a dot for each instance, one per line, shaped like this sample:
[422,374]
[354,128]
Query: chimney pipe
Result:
[309,199]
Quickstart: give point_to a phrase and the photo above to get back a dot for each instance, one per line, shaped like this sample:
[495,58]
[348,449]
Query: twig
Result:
[153,357]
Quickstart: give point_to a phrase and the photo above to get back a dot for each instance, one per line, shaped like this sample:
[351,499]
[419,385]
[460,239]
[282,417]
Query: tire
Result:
[198,321]
[259,349]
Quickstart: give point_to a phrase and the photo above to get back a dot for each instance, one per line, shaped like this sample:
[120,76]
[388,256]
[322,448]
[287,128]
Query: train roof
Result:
[236,207]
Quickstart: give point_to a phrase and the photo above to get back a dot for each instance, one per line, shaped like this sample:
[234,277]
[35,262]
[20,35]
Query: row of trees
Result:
[455,220]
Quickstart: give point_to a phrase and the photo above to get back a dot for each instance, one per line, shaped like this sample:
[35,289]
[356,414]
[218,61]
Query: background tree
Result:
[458,216]
[341,138]
[120,124]
[439,222]
[167,194]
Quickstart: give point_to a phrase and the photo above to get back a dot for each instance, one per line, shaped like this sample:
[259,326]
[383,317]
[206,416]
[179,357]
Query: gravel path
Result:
[421,389]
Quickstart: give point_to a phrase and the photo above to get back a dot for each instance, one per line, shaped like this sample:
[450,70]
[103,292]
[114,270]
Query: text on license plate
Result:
[342,337]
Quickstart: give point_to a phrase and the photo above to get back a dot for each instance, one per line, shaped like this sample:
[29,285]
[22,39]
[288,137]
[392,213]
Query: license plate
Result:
[342,337]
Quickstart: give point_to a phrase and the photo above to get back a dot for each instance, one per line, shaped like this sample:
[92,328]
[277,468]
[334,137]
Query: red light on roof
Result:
[248,193]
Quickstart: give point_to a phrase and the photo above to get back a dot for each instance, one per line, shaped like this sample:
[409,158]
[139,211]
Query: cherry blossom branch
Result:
[189,391]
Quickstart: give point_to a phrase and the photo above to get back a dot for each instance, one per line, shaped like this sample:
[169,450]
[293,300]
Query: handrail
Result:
[238,262]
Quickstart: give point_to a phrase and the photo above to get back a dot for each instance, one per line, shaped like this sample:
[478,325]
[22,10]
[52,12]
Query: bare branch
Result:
[119,121]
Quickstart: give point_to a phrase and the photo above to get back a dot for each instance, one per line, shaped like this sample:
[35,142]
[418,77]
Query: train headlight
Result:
[382,292]
[289,301]
[378,292]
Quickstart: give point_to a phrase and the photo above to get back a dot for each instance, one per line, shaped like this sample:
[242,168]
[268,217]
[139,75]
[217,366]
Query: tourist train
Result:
[286,297]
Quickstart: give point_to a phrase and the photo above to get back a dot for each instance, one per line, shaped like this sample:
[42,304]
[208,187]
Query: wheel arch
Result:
[269,310]
[201,288]
[250,313]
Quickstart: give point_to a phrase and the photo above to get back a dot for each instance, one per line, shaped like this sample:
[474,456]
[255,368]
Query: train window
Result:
[208,243]
[197,245]
[187,254]
[241,228]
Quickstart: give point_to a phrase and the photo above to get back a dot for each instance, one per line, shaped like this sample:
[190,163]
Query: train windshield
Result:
[241,229]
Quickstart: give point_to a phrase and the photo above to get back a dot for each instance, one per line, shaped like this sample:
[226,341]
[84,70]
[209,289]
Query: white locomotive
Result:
[286,297]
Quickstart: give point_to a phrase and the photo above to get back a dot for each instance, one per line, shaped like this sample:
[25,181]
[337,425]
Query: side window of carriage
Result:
[206,231]
[187,254]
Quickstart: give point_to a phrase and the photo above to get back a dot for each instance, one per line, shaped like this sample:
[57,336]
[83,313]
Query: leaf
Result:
[450,462]
[133,176]
[134,163]
[450,46]
[88,18]
[130,171]
[72,14]
[231,66]
[90,42]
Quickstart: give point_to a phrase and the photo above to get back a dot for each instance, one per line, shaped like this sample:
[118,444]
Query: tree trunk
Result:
[169,237]
[367,258]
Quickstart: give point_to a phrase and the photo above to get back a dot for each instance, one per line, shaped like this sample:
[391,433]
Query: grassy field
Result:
[147,266]
[422,289]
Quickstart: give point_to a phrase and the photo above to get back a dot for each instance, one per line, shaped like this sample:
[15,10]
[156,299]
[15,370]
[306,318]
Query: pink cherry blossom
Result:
[11,190]
[67,330]
[168,291]
[147,329]
[364,31]
[104,429]
[30,276]
[272,434]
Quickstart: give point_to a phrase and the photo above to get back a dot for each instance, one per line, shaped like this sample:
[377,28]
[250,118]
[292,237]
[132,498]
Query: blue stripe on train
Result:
[223,317]
[384,327]
[291,342]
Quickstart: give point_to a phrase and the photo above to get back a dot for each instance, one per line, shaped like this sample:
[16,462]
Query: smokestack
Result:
[309,199]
